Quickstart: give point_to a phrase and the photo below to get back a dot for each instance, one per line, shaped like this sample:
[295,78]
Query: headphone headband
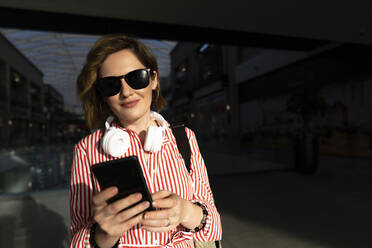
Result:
[116,141]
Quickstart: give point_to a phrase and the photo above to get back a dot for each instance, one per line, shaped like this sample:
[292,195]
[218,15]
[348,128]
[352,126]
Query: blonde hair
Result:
[94,106]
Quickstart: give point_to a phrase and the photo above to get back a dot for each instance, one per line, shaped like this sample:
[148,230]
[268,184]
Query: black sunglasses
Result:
[110,86]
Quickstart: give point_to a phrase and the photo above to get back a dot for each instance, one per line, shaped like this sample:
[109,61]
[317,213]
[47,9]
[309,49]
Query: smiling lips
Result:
[130,104]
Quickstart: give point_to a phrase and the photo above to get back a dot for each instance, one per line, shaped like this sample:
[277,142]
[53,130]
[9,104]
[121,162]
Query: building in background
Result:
[22,99]
[31,112]
[200,96]
[53,113]
[37,135]
[238,97]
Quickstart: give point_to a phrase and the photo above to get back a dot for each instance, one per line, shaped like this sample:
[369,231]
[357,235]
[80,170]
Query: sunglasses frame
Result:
[116,83]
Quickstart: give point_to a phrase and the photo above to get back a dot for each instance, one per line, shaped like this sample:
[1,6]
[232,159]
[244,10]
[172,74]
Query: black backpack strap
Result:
[183,144]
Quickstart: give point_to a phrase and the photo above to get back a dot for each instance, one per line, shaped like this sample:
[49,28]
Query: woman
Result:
[120,79]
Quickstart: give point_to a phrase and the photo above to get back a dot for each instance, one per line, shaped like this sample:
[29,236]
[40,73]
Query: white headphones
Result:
[116,141]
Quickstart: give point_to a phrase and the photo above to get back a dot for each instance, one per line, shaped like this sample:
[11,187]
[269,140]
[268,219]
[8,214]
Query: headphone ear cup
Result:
[115,142]
[154,139]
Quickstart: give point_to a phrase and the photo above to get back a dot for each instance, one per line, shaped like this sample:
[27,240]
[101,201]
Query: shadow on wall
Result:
[43,227]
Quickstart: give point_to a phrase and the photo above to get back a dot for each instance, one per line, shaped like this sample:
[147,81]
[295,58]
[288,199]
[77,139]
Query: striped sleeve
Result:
[203,193]
[81,192]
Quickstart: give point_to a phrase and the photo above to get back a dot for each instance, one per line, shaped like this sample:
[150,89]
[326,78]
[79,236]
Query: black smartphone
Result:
[126,174]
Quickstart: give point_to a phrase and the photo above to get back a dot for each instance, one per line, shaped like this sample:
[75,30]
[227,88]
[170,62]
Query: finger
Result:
[120,228]
[124,203]
[125,226]
[156,222]
[109,211]
[101,197]
[158,229]
[132,212]
[158,214]
[161,194]
[167,202]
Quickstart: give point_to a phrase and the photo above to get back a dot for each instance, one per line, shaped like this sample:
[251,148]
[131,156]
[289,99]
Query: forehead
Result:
[120,63]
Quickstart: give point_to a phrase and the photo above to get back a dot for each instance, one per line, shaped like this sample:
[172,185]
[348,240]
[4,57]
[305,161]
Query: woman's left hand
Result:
[171,211]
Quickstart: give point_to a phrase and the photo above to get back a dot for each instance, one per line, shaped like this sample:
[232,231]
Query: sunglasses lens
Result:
[138,79]
[109,86]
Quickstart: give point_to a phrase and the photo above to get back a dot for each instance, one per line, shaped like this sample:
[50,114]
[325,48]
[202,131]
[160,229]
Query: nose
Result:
[126,90]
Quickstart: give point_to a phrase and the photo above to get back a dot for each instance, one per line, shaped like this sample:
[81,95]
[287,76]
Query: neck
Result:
[139,125]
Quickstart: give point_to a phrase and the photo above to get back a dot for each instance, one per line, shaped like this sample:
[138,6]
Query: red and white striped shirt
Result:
[164,170]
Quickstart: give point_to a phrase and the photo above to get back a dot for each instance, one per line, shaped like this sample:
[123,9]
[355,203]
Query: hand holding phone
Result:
[118,217]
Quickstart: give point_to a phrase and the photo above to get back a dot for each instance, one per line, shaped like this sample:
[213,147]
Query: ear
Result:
[155,81]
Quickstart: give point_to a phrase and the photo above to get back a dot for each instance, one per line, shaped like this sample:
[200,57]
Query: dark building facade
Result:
[240,96]
[54,113]
[22,98]
[31,112]
[200,95]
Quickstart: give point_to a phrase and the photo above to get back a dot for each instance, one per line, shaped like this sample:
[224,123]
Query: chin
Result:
[131,115]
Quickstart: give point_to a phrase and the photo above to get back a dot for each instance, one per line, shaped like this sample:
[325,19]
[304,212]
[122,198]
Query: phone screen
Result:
[126,174]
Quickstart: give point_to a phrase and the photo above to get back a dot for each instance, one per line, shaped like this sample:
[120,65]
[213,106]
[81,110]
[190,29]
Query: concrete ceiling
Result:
[342,21]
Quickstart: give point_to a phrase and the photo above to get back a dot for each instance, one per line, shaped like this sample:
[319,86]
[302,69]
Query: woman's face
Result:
[129,105]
